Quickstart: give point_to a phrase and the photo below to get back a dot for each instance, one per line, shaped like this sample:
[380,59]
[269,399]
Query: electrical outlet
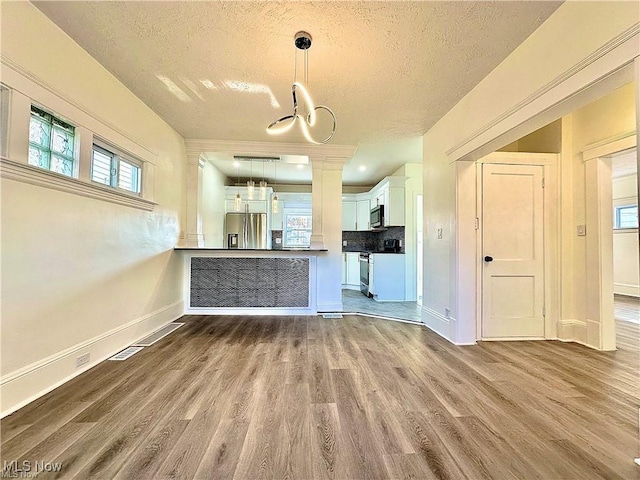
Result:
[447,313]
[439,233]
[344,243]
[278,241]
[82,360]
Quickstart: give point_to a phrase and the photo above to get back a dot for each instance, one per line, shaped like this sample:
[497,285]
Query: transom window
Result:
[625,216]
[51,142]
[111,169]
[297,229]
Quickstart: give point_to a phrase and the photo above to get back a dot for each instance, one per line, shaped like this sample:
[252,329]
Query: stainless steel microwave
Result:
[377,216]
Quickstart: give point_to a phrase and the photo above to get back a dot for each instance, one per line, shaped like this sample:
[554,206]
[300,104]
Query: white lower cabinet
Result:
[351,270]
[386,277]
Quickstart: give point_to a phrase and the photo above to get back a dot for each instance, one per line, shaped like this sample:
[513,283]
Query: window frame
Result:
[616,216]
[296,213]
[62,123]
[116,158]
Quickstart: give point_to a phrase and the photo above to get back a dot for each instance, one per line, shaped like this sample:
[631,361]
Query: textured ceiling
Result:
[625,164]
[223,70]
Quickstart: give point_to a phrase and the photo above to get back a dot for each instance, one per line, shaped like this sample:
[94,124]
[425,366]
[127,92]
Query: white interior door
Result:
[512,250]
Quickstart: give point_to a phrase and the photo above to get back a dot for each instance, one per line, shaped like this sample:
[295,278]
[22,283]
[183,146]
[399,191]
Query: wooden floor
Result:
[626,308]
[352,398]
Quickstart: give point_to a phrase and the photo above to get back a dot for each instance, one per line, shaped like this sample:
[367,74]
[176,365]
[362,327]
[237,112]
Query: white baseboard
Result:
[330,307]
[28,383]
[436,322]
[626,289]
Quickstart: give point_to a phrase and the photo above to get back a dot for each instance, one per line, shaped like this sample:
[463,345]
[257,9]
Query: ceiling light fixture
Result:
[362,168]
[251,185]
[302,41]
[263,186]
[238,200]
[274,199]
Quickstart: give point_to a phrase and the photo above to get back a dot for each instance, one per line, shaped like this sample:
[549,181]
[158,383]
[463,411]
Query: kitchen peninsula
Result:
[250,281]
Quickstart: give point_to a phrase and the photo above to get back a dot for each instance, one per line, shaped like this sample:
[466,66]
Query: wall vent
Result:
[126,353]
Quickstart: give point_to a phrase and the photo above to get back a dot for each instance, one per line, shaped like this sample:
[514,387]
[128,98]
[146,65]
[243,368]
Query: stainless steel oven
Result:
[364,273]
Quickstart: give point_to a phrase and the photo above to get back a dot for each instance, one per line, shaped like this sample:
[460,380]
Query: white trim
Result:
[383,317]
[520,158]
[42,84]
[197,146]
[329,307]
[28,383]
[627,290]
[548,88]
[637,460]
[608,146]
[436,322]
[25,173]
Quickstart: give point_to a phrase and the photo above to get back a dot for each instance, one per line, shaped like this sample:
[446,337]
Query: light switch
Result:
[582,230]
[344,243]
[278,241]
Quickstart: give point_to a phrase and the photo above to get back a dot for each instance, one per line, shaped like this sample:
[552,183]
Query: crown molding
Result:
[196,146]
[601,52]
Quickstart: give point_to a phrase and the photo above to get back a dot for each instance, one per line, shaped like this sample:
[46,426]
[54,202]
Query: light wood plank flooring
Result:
[352,398]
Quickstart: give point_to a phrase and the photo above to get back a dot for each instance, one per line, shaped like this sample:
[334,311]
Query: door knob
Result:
[488,259]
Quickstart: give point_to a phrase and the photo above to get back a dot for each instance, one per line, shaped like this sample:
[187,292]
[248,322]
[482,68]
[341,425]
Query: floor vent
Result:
[155,336]
[331,315]
[126,353]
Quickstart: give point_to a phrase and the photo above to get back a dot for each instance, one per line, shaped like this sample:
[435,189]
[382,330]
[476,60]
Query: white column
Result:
[326,188]
[194,236]
[317,172]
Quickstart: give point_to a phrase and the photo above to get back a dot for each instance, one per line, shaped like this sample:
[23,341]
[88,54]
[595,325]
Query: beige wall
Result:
[81,275]
[626,275]
[607,118]
[547,139]
[542,77]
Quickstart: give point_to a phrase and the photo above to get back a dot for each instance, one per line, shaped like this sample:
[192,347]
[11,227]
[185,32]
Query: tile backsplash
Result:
[371,241]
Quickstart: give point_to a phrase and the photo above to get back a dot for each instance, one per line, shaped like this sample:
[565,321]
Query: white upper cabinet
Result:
[348,215]
[363,215]
[390,193]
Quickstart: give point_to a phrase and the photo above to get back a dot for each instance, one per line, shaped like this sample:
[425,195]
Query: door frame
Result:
[600,327]
[551,247]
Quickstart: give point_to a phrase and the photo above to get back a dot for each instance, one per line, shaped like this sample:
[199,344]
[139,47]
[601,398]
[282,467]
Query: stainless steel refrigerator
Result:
[246,230]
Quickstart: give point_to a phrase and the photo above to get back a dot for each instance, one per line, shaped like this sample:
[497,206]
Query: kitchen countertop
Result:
[208,249]
[370,252]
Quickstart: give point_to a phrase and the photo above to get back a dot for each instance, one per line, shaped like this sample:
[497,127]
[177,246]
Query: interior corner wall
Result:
[213,206]
[81,275]
[580,44]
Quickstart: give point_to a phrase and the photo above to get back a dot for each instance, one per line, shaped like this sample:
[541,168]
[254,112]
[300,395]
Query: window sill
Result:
[44,178]
[625,230]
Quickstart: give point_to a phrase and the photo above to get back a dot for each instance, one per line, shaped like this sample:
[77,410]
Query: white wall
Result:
[81,275]
[413,188]
[577,46]
[626,275]
[212,206]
